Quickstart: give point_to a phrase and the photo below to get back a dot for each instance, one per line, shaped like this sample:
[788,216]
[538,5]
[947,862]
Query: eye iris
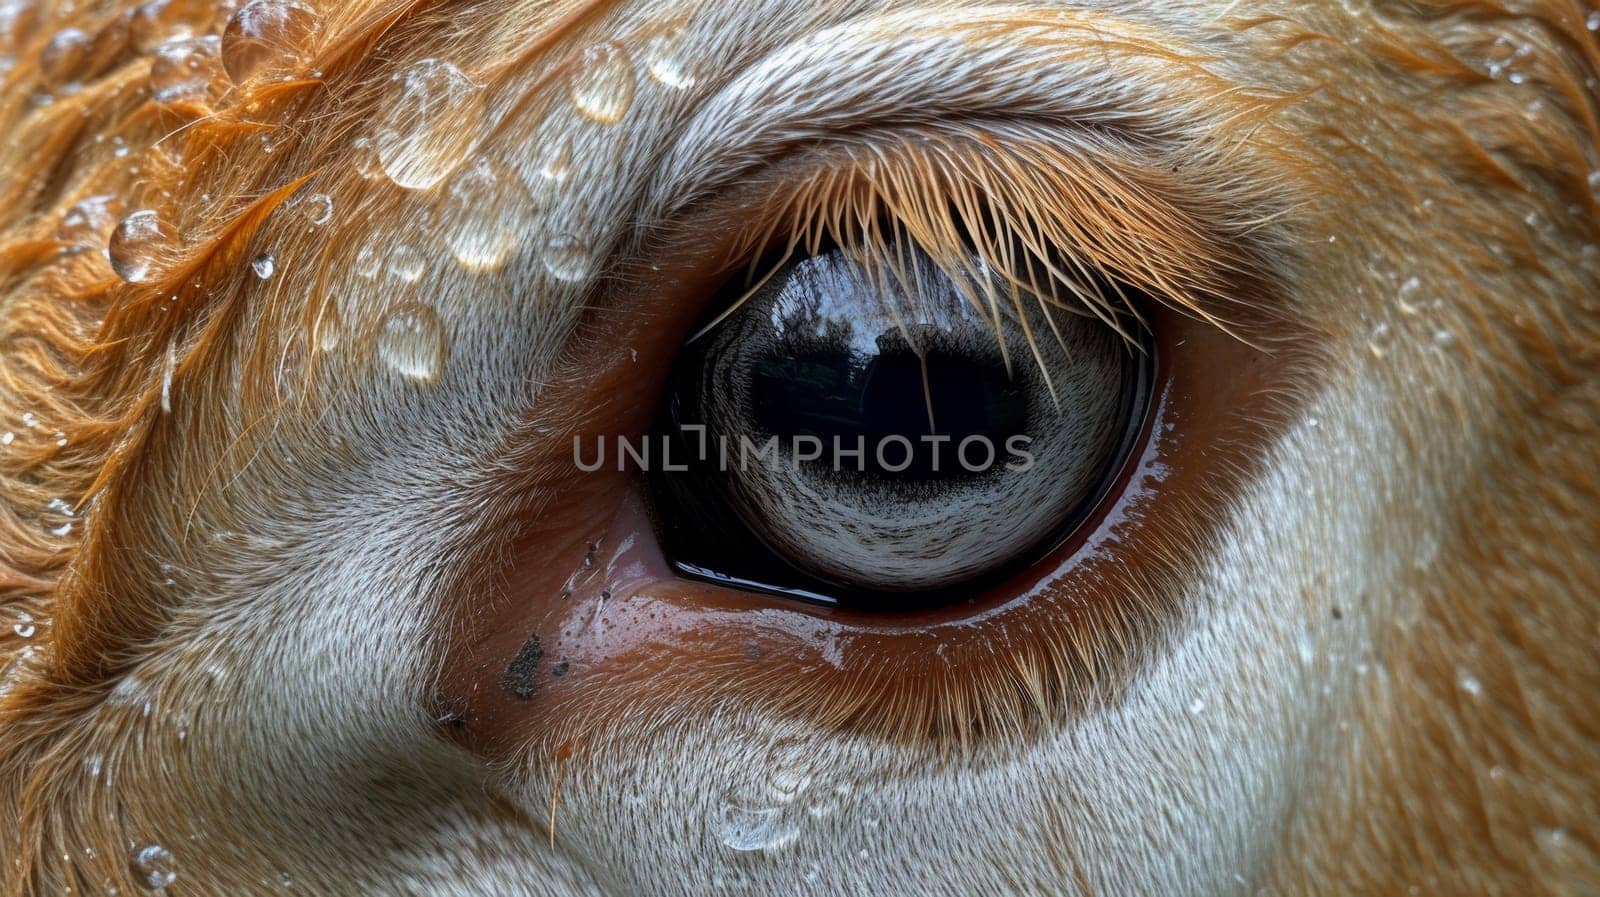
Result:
[882,440]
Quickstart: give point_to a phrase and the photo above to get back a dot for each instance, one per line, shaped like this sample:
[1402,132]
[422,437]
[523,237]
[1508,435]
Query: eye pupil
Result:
[856,400]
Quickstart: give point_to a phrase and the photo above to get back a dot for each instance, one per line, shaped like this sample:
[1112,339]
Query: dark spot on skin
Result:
[559,668]
[1338,614]
[520,673]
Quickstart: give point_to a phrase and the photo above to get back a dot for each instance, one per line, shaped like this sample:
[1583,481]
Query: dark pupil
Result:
[855,400]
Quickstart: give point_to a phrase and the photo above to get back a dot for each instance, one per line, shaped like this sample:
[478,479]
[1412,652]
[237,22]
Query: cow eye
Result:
[893,435]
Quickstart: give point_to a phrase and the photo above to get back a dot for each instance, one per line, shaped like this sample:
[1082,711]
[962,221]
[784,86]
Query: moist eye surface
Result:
[886,437]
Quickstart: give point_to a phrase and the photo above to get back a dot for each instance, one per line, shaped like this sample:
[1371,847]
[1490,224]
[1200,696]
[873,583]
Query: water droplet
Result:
[365,157]
[329,328]
[1469,683]
[154,867]
[1197,706]
[602,86]
[24,627]
[431,126]
[139,245]
[268,37]
[1593,21]
[367,262]
[167,372]
[158,21]
[490,209]
[412,342]
[65,57]
[567,258]
[1405,299]
[664,56]
[315,209]
[187,70]
[749,829]
[555,164]
[264,265]
[89,222]
[406,264]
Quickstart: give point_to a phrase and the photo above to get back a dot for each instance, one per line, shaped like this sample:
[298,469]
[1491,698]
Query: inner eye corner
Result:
[832,515]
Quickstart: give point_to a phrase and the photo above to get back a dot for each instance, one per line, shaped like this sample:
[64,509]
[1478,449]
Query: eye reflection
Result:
[888,438]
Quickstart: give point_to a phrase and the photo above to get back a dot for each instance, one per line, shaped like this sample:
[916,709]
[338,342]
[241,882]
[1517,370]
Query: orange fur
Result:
[1466,794]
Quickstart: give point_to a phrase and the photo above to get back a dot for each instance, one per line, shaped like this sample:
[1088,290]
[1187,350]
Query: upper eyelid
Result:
[897,70]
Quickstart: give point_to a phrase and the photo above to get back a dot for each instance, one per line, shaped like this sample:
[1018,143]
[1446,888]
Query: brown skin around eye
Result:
[592,622]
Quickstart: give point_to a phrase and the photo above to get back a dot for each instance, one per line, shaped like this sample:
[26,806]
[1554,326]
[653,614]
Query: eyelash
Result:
[1074,223]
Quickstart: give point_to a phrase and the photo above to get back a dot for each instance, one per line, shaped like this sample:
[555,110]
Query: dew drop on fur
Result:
[154,867]
[24,627]
[89,222]
[603,85]
[406,264]
[665,58]
[187,70]
[64,57]
[264,265]
[568,259]
[488,207]
[268,38]
[412,342]
[431,126]
[314,209]
[139,245]
[156,22]
[747,829]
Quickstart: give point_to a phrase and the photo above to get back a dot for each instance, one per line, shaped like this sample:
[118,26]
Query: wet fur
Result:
[1393,641]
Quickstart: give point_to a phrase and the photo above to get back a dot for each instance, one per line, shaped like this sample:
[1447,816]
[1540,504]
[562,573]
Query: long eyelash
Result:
[1014,216]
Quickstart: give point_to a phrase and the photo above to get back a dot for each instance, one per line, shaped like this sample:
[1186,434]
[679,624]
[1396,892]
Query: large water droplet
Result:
[412,342]
[187,70]
[603,84]
[264,265]
[666,60]
[65,58]
[139,246]
[568,258]
[24,627]
[746,829]
[268,38]
[431,126]
[489,208]
[154,867]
